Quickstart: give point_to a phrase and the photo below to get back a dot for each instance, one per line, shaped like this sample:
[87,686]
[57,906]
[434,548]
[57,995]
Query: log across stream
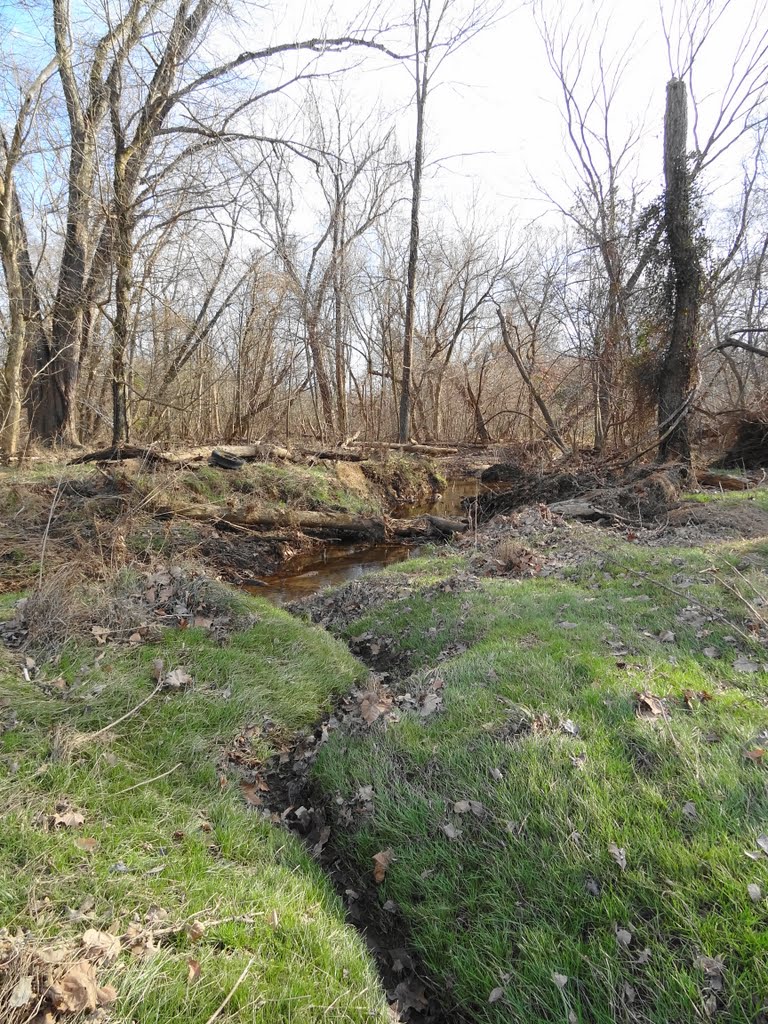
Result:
[340,562]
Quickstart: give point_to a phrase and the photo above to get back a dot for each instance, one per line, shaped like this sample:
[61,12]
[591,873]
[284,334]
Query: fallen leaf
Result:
[176,679]
[251,794]
[745,664]
[755,893]
[195,930]
[67,819]
[325,835]
[101,633]
[644,957]
[78,991]
[561,980]
[711,652]
[373,706]
[431,703]
[619,855]
[451,831]
[272,919]
[628,991]
[570,727]
[100,945]
[689,810]
[667,637]
[21,993]
[461,807]
[648,706]
[623,937]
[496,995]
[762,842]
[568,625]
[83,843]
[756,754]
[193,971]
[381,864]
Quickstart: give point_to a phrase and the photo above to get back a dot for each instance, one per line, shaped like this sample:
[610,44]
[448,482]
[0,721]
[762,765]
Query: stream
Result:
[305,575]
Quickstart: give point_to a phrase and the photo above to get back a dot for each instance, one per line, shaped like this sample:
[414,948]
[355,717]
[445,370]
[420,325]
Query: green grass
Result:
[759,496]
[313,488]
[530,888]
[185,844]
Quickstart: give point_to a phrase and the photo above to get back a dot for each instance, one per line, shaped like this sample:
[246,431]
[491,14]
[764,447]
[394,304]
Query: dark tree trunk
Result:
[678,372]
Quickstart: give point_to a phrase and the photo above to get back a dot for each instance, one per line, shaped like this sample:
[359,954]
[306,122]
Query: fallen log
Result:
[121,452]
[724,481]
[336,523]
[411,447]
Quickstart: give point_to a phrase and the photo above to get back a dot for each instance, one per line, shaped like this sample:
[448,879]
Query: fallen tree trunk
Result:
[411,447]
[336,523]
[725,481]
[120,452]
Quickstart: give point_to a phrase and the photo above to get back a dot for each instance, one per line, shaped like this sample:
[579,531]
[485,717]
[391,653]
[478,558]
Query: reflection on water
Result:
[338,563]
[302,577]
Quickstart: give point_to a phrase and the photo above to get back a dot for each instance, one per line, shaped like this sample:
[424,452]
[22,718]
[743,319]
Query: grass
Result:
[759,496]
[185,844]
[529,889]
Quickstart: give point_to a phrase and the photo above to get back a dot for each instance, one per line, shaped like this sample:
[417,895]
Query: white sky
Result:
[499,100]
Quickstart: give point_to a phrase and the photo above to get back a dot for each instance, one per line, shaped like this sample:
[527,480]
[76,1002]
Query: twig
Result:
[106,728]
[232,991]
[147,782]
[693,600]
[48,528]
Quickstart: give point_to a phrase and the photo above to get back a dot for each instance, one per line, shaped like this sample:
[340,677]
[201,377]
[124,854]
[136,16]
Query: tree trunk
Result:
[404,424]
[678,373]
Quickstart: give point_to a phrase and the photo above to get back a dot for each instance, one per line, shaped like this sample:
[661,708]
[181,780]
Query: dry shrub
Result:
[516,559]
[70,602]
[748,441]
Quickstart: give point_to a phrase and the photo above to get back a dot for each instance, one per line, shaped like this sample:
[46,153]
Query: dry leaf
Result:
[177,679]
[756,754]
[689,810]
[431,703]
[755,893]
[83,843]
[619,855]
[272,919]
[648,706]
[193,971]
[381,863]
[667,637]
[100,945]
[67,819]
[623,937]
[561,980]
[22,993]
[710,652]
[762,842]
[461,807]
[195,930]
[569,727]
[744,664]
[250,793]
[496,995]
[78,991]
[451,831]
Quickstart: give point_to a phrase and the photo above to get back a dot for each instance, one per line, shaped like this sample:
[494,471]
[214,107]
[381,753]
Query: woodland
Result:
[383,537]
[203,242]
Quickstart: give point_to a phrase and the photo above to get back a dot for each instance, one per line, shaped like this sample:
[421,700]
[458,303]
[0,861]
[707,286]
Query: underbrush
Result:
[136,829]
[577,832]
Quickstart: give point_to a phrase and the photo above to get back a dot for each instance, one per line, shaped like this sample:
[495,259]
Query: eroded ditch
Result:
[290,797]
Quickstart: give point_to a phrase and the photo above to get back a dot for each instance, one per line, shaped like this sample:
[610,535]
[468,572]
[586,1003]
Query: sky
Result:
[495,128]
[498,100]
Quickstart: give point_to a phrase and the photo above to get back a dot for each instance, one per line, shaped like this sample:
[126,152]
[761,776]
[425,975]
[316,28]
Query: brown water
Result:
[306,575]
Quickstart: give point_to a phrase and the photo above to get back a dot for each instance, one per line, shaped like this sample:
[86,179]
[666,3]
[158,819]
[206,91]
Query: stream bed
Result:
[340,562]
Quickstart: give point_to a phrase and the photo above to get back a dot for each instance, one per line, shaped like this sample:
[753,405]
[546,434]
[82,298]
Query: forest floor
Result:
[529,765]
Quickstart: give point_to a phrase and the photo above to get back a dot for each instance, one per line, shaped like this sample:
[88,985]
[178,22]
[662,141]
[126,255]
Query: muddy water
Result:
[338,563]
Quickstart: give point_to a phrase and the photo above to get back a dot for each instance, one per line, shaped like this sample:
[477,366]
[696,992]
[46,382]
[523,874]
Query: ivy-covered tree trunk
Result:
[678,373]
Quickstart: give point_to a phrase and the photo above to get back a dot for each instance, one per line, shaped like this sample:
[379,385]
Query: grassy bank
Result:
[196,884]
[577,829]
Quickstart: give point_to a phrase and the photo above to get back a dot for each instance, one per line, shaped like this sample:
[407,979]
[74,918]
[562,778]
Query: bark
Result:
[554,433]
[422,83]
[678,373]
